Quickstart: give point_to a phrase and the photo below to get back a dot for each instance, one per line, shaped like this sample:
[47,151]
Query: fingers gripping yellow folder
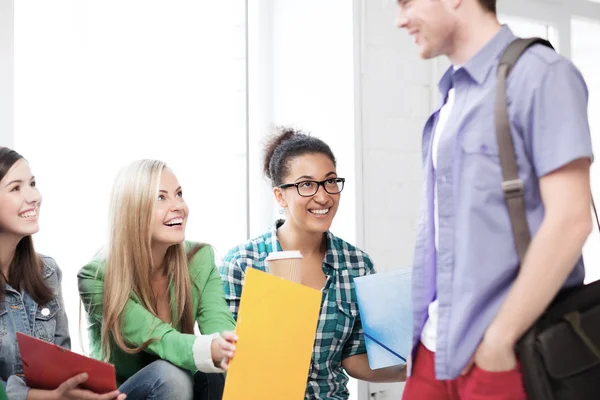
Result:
[276,328]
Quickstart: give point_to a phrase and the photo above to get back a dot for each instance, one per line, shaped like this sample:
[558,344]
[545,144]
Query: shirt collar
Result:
[274,245]
[480,65]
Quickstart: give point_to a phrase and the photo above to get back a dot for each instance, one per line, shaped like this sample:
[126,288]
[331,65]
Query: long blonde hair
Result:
[129,256]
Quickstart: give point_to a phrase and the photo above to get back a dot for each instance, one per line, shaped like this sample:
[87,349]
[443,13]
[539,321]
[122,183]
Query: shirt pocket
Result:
[346,315]
[45,320]
[480,158]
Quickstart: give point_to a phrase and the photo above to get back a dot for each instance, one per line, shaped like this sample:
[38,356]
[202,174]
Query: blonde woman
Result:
[145,292]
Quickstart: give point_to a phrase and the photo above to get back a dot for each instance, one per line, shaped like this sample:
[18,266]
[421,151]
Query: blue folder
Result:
[384,302]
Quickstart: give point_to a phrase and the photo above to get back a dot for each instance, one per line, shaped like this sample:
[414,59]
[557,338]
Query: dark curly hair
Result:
[286,145]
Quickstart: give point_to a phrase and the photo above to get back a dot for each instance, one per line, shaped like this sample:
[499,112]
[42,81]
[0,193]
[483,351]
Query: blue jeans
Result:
[159,380]
[208,386]
[163,380]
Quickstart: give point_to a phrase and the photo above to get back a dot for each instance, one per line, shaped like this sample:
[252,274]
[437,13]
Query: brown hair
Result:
[25,270]
[286,145]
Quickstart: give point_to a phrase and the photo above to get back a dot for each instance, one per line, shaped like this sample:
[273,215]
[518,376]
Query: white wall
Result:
[6,73]
[313,90]
[396,100]
[102,98]
[394,103]
[260,115]
[301,74]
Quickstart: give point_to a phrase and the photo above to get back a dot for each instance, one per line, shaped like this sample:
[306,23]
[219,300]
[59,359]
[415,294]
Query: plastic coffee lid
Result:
[283,255]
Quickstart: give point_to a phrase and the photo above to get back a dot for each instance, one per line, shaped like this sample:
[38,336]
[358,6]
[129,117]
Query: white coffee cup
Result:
[285,264]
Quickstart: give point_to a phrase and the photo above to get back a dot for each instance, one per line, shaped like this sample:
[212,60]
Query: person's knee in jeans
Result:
[160,380]
[172,382]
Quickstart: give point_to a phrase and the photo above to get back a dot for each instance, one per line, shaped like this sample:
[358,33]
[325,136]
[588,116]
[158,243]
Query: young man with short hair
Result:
[472,299]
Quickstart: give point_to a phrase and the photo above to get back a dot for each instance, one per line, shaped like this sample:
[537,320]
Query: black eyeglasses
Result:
[310,188]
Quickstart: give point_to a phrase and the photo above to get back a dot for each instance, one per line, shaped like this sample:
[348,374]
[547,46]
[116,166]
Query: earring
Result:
[282,210]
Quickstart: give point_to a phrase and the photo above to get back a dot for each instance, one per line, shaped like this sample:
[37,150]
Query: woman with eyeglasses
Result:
[306,185]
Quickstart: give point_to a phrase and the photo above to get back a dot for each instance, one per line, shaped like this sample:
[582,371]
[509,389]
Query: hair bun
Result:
[282,135]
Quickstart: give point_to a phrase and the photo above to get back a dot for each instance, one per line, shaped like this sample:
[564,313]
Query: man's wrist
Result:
[501,336]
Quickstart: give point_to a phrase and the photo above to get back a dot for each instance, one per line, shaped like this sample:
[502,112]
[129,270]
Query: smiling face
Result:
[431,23]
[314,213]
[20,201]
[170,212]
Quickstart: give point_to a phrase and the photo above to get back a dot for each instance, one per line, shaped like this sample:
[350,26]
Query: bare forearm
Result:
[358,368]
[551,256]
[35,394]
[396,373]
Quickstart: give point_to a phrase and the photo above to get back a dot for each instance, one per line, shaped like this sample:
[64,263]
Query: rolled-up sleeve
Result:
[16,389]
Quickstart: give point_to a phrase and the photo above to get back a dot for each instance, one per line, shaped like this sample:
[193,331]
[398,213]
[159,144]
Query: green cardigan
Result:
[211,313]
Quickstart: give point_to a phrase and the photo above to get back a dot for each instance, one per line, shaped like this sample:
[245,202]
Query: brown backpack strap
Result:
[595,214]
[511,184]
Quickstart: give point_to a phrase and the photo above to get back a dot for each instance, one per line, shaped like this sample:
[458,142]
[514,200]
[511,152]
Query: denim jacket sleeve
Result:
[16,389]
[61,335]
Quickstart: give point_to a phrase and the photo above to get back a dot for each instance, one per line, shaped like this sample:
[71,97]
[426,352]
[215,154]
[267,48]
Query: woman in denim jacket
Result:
[30,294]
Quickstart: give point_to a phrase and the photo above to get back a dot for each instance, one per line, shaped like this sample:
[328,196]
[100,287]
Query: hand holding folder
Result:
[384,303]
[276,328]
[47,366]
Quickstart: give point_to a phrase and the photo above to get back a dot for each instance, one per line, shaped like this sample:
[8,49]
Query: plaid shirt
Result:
[339,332]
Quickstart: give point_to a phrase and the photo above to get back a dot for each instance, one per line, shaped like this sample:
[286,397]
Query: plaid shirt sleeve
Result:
[232,276]
[356,342]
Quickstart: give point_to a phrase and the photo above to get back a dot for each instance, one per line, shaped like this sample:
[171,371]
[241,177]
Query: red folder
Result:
[47,366]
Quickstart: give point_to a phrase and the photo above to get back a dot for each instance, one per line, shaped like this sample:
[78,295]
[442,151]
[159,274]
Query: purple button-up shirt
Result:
[477,262]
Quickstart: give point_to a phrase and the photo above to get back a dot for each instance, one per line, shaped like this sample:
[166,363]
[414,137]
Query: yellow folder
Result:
[276,328]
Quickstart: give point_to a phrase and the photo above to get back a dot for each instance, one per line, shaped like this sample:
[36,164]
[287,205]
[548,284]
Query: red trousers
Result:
[476,385]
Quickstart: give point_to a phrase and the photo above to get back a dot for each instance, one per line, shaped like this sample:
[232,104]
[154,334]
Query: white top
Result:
[202,352]
[283,255]
[429,333]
